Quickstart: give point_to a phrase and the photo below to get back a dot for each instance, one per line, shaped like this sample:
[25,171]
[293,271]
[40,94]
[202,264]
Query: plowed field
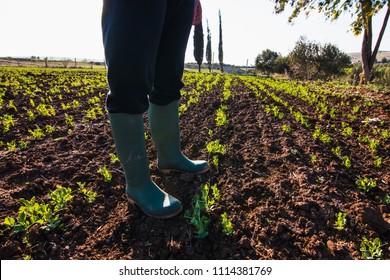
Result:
[294,156]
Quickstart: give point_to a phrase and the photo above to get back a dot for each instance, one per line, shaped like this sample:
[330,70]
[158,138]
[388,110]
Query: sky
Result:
[71,29]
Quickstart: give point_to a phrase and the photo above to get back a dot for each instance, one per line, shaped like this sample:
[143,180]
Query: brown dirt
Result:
[282,204]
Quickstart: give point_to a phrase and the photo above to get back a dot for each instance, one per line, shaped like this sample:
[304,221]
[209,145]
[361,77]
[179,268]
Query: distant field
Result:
[383,54]
[57,63]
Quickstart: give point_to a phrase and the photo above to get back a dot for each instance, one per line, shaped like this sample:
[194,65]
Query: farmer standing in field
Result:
[145,43]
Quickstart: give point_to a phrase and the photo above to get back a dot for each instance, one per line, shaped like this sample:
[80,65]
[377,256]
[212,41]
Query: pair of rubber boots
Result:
[128,133]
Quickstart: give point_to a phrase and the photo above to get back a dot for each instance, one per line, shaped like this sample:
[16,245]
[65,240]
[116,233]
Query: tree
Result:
[66,62]
[311,60]
[281,65]
[208,47]
[265,62]
[303,60]
[198,44]
[332,61]
[220,47]
[361,11]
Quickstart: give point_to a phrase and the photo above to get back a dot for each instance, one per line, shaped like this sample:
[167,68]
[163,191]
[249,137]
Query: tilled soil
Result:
[281,202]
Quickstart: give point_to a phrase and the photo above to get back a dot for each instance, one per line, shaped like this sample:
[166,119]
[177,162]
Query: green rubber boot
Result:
[128,133]
[164,124]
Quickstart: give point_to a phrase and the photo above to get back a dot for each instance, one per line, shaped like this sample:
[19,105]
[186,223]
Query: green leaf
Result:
[19,229]
[8,221]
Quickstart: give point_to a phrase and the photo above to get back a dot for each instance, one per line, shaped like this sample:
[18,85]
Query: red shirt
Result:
[198,13]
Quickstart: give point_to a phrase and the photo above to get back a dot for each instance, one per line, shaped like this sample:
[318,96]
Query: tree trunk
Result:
[199,67]
[380,36]
[367,42]
[369,56]
[366,57]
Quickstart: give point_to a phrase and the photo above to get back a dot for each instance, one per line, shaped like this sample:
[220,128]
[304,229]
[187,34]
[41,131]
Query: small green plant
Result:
[365,184]
[286,128]
[216,161]
[105,173]
[182,109]
[11,146]
[65,106]
[373,144]
[209,199]
[11,105]
[114,158]
[201,206]
[371,250]
[299,117]
[31,213]
[23,144]
[323,137]
[227,226]
[347,131]
[75,104]
[69,120]
[221,118]
[91,114]
[7,121]
[346,161]
[275,110]
[26,241]
[30,115]
[337,151]
[50,129]
[385,134]
[197,219]
[216,192]
[27,258]
[313,158]
[332,113]
[89,194]
[355,109]
[60,198]
[214,147]
[37,133]
[377,162]
[45,110]
[340,221]
[93,100]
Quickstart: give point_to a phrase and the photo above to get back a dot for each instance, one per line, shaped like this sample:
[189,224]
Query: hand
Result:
[197,13]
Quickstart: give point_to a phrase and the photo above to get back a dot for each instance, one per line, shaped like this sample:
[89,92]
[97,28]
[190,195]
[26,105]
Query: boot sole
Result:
[169,170]
[168,216]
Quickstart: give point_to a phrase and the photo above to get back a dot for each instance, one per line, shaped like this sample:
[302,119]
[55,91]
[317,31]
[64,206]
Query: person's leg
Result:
[171,52]
[163,109]
[131,37]
[131,34]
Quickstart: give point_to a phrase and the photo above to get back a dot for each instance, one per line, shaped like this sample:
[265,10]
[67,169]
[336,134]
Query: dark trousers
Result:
[144,44]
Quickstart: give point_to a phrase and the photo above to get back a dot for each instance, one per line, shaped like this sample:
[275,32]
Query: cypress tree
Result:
[220,48]
[198,44]
[208,47]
